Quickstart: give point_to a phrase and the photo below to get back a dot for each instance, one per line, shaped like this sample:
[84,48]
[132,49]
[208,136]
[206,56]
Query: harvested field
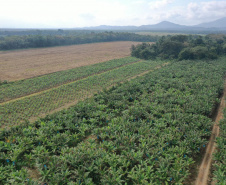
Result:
[28,63]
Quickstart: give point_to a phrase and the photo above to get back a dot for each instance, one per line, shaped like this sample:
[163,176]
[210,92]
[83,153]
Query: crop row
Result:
[22,109]
[220,154]
[28,86]
[145,131]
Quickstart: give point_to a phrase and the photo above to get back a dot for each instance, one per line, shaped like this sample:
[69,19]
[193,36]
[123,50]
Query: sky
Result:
[85,13]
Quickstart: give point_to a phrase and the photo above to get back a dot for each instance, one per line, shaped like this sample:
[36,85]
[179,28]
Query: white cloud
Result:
[160,4]
[79,13]
[61,13]
[138,2]
[205,11]
[189,14]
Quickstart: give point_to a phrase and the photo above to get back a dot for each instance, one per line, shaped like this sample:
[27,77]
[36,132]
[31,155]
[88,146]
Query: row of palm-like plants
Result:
[219,168]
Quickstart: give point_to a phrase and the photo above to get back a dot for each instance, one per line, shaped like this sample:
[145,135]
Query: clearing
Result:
[28,63]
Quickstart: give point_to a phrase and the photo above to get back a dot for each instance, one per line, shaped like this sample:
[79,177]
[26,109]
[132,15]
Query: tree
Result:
[199,52]
[179,38]
[170,49]
[198,42]
[186,54]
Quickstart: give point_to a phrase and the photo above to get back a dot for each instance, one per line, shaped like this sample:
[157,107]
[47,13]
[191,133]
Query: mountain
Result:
[214,26]
[219,23]
[108,27]
[163,25]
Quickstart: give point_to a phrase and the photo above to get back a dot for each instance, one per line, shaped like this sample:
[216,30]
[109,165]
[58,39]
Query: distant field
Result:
[22,64]
[161,33]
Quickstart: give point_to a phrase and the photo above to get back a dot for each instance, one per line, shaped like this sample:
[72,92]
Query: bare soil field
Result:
[28,63]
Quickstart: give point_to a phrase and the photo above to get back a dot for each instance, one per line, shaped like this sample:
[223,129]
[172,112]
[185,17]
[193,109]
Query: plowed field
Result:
[28,63]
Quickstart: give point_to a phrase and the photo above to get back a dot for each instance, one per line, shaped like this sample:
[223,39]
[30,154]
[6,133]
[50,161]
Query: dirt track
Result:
[204,169]
[22,64]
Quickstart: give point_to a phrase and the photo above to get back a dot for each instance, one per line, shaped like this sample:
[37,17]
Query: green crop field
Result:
[28,86]
[220,155]
[148,130]
[82,86]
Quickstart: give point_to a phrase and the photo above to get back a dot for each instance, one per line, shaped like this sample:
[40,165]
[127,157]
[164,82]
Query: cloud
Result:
[160,4]
[205,11]
[82,13]
[214,6]
[138,2]
[87,16]
[60,13]
[187,14]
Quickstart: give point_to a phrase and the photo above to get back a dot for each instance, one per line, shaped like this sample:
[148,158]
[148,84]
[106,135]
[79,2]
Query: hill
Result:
[163,25]
[219,23]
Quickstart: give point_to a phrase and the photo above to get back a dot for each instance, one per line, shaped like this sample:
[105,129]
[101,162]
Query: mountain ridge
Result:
[166,25]
[214,24]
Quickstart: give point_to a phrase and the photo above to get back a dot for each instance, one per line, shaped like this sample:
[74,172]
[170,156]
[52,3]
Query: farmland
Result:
[220,154]
[144,131]
[104,75]
[23,64]
[91,114]
[25,87]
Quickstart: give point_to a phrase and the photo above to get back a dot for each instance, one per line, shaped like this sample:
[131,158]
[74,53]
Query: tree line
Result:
[182,47]
[44,40]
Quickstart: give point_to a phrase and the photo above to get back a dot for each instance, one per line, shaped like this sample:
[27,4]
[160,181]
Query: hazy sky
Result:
[80,13]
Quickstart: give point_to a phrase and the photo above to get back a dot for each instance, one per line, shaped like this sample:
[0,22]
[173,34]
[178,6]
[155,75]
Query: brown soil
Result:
[33,173]
[90,137]
[28,63]
[204,169]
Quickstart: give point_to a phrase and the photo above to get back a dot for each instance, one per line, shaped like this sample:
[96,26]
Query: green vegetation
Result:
[13,112]
[4,82]
[220,155]
[62,38]
[182,47]
[28,86]
[145,131]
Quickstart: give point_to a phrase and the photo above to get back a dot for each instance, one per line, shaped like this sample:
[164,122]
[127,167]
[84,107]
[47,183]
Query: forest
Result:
[37,39]
[182,47]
